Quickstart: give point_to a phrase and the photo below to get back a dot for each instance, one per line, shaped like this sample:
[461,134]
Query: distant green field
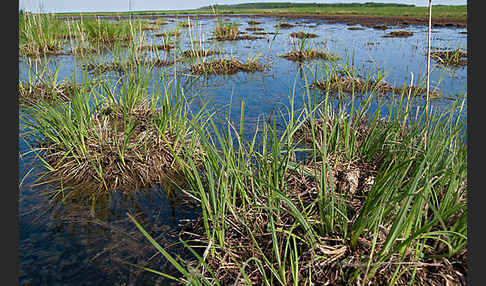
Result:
[440,11]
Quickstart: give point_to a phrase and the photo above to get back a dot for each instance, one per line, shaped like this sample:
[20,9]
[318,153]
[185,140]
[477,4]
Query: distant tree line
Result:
[273,5]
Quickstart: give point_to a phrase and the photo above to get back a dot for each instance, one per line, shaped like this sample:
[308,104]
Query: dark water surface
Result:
[66,245]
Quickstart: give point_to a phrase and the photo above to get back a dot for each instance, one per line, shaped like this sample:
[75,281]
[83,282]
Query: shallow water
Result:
[67,246]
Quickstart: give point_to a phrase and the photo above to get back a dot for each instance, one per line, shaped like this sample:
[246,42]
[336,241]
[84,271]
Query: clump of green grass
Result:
[398,34]
[31,94]
[347,81]
[225,31]
[380,199]
[119,138]
[41,34]
[253,29]
[148,27]
[225,66]
[184,24]
[284,25]
[308,54]
[195,53]
[252,22]
[303,35]
[161,21]
[454,58]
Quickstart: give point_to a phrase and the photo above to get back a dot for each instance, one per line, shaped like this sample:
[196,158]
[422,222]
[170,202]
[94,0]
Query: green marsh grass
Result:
[379,199]
[302,51]
[41,34]
[225,66]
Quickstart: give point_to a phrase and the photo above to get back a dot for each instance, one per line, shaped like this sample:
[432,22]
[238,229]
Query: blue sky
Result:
[123,5]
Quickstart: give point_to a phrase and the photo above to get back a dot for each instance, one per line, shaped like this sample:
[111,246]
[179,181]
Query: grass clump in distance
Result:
[41,34]
[227,66]
[346,80]
[225,31]
[284,25]
[398,34]
[303,52]
[199,53]
[31,94]
[303,35]
[380,199]
[454,58]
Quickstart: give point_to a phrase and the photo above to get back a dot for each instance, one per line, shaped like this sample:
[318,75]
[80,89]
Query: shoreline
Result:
[357,19]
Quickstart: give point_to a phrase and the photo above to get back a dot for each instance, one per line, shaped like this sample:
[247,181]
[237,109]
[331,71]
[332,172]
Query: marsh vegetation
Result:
[306,163]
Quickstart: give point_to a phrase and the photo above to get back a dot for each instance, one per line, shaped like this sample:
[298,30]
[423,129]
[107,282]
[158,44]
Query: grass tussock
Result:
[252,22]
[253,29]
[454,58]
[225,66]
[225,31]
[284,25]
[303,35]
[346,82]
[308,54]
[121,139]
[398,34]
[169,34]
[32,94]
[379,200]
[355,28]
[193,53]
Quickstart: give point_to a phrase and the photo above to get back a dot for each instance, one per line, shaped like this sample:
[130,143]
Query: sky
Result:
[53,6]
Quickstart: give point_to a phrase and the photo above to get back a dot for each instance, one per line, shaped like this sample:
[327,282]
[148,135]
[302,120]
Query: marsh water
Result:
[76,243]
